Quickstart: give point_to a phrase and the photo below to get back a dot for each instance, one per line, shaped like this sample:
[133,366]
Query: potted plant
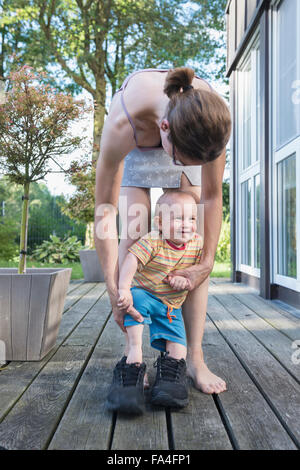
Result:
[34,130]
[80,207]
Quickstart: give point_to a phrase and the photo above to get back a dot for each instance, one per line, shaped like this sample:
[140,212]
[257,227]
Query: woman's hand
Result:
[195,275]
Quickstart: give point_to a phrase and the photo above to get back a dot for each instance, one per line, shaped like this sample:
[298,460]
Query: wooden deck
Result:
[59,403]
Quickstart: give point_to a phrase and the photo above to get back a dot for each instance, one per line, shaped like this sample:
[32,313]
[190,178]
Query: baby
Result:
[142,285]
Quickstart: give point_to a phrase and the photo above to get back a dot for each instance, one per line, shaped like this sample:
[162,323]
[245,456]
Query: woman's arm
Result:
[212,198]
[116,142]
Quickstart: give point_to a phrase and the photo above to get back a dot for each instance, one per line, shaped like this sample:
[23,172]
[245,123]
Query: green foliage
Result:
[223,249]
[81,204]
[8,232]
[86,40]
[45,215]
[226,200]
[58,251]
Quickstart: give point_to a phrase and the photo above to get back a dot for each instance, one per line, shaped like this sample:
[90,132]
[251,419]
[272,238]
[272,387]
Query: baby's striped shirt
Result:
[157,258]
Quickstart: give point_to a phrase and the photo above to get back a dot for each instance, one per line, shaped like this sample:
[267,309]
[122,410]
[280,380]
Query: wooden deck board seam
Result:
[260,389]
[76,382]
[74,286]
[78,298]
[171,440]
[225,421]
[263,318]
[112,430]
[53,352]
[258,340]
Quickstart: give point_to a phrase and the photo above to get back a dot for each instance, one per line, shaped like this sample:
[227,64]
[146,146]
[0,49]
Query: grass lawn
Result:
[76,267]
[220,269]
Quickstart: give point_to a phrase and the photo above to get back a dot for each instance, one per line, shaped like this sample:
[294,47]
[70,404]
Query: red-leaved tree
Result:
[34,130]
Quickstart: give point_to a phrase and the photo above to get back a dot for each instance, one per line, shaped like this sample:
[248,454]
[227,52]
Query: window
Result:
[287,62]
[286,207]
[257,221]
[248,162]
[285,234]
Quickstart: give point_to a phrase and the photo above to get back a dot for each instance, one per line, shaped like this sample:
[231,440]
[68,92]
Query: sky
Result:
[56,181]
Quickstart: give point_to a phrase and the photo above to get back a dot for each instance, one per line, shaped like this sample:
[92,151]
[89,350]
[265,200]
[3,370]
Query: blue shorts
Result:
[154,312]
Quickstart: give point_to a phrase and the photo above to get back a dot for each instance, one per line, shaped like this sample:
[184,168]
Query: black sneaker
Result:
[126,393]
[170,388]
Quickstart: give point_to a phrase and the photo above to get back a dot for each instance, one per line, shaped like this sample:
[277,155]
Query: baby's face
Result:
[178,220]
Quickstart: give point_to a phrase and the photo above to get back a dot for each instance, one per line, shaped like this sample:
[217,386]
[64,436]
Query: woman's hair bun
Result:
[178,78]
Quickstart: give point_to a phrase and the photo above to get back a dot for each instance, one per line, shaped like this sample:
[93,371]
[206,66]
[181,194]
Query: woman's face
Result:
[168,146]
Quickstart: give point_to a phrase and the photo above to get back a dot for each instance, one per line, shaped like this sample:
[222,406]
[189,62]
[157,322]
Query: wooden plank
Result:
[231,288]
[276,342]
[278,387]
[74,284]
[76,295]
[252,423]
[285,309]
[56,299]
[199,426]
[289,326]
[266,309]
[86,423]
[149,431]
[5,317]
[20,300]
[34,418]
[37,312]
[17,376]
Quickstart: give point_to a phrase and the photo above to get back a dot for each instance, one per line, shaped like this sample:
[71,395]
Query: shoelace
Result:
[169,368]
[128,374]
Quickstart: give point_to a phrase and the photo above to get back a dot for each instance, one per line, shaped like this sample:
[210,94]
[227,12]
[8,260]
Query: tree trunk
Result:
[24,230]
[99,114]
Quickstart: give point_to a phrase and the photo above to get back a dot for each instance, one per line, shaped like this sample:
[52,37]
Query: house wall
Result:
[258,158]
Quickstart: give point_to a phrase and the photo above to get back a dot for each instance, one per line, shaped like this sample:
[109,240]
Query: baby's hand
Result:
[178,282]
[125,299]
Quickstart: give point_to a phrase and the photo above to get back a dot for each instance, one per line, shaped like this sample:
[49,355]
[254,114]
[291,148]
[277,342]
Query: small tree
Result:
[80,206]
[34,121]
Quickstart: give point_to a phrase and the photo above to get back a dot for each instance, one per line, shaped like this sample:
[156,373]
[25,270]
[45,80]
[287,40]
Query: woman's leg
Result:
[194,314]
[130,196]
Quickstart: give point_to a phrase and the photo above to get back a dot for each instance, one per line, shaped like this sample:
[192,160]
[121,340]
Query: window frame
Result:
[252,53]
[277,155]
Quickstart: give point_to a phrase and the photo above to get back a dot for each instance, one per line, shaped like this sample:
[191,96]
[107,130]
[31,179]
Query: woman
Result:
[173,128]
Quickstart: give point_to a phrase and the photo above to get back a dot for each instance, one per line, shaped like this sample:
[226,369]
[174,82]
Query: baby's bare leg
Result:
[176,350]
[134,351]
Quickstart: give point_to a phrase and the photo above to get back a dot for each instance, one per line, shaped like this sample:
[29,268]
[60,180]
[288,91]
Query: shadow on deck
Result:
[59,403]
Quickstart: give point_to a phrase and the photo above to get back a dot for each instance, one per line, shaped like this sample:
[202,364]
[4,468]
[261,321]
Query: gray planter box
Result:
[91,267]
[31,307]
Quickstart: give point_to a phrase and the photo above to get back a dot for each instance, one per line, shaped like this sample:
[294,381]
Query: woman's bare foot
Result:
[204,379]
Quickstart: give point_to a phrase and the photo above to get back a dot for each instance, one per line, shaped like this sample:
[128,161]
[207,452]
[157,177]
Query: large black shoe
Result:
[170,388]
[126,393]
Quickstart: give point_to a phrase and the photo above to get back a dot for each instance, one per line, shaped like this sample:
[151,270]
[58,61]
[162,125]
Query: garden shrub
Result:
[58,251]
[223,249]
[8,233]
